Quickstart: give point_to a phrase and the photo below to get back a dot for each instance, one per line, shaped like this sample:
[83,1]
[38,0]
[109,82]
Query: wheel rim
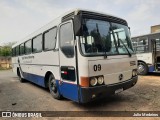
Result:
[141,68]
[53,86]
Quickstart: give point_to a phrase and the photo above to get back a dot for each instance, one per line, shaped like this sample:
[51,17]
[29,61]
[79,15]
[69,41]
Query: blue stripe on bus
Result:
[67,90]
[37,79]
[151,68]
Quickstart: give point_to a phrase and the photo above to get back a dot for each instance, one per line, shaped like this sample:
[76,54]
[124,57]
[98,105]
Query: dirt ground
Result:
[16,96]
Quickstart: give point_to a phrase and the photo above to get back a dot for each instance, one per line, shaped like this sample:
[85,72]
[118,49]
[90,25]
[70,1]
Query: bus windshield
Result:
[105,38]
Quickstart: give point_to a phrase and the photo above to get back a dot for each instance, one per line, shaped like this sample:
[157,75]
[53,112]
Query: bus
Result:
[147,48]
[82,56]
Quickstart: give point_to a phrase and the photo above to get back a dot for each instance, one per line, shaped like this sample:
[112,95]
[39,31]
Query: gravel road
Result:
[16,96]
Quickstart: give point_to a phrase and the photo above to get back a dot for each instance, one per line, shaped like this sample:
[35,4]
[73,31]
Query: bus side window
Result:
[157,44]
[13,52]
[37,44]
[67,40]
[50,39]
[22,49]
[28,47]
[17,50]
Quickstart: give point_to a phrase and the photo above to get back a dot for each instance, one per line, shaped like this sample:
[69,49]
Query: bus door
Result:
[153,47]
[68,83]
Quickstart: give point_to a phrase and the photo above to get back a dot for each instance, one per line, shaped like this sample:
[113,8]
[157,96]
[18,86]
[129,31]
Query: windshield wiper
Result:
[126,48]
[105,51]
[103,46]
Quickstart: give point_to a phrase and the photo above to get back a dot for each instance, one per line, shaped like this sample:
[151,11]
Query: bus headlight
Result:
[93,81]
[134,72]
[100,80]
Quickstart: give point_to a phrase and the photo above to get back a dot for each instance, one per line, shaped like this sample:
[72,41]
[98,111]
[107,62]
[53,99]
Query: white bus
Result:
[82,55]
[147,48]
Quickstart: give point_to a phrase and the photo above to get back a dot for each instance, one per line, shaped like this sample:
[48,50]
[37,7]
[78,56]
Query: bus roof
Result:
[56,22]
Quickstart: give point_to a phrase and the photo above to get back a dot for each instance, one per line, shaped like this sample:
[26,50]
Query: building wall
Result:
[5,62]
[155,28]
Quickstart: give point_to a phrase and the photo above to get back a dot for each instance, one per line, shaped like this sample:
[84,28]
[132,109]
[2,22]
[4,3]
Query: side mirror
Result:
[77,25]
[129,30]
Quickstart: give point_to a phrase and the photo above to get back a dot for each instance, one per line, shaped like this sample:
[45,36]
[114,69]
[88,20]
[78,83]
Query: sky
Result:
[19,18]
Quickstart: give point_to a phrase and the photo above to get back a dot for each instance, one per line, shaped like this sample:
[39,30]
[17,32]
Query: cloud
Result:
[142,16]
[22,17]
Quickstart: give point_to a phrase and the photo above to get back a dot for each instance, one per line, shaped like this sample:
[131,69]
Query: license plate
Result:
[118,90]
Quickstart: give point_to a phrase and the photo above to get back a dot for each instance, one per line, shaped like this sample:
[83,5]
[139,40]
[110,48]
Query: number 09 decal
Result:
[97,67]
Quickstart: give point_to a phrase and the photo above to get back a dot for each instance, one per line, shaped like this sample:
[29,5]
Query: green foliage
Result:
[6,50]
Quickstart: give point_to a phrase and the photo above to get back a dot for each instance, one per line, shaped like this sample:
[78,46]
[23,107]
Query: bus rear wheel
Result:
[53,88]
[142,68]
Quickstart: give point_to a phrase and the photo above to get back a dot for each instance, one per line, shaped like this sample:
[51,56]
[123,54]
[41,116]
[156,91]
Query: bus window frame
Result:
[140,46]
[43,37]
[41,34]
[16,51]
[73,37]
[111,24]
[25,47]
[20,50]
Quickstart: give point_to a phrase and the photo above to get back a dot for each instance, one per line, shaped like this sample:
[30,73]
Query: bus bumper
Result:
[93,93]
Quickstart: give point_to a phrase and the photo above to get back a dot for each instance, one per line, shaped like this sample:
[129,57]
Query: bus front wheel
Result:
[142,68]
[53,87]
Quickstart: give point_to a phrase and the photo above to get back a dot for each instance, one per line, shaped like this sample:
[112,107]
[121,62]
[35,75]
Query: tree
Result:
[10,44]
[6,50]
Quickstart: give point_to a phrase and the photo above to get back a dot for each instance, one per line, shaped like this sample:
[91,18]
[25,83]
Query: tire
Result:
[142,68]
[53,88]
[20,78]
